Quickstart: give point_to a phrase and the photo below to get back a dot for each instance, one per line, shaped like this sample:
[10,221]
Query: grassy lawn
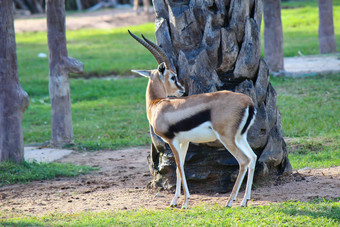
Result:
[303,3]
[11,173]
[314,213]
[109,114]
[300,21]
[309,108]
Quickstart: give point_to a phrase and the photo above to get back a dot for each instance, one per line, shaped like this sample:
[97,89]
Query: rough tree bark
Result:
[273,37]
[13,99]
[60,64]
[215,45]
[326,27]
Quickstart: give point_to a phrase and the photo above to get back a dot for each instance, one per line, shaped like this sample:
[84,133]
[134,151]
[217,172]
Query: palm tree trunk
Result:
[215,45]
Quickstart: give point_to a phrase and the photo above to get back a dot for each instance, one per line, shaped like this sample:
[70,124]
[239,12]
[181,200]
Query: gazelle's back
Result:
[200,115]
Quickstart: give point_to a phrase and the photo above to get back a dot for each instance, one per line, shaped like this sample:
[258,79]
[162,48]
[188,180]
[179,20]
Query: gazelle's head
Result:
[164,76]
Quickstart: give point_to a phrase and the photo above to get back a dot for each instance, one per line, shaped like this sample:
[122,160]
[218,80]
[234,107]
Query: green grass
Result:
[101,51]
[309,106]
[300,30]
[107,114]
[300,27]
[314,152]
[11,173]
[315,213]
[304,3]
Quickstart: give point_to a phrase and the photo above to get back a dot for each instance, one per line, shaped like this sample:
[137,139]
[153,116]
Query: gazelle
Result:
[224,115]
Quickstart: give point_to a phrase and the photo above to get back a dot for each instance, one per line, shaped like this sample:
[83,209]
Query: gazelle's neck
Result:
[154,92]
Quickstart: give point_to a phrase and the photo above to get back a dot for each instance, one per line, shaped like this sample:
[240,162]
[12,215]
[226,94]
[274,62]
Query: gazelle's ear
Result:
[161,68]
[145,73]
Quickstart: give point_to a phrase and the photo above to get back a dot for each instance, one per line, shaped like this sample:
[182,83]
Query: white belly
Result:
[201,134]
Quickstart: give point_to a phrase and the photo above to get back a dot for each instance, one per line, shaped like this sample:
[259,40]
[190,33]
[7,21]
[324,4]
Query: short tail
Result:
[251,115]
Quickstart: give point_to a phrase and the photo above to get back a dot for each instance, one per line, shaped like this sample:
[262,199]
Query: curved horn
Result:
[160,51]
[152,50]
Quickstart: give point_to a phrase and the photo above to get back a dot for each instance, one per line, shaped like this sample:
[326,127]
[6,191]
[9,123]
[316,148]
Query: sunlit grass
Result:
[106,114]
[309,106]
[315,152]
[315,213]
[300,28]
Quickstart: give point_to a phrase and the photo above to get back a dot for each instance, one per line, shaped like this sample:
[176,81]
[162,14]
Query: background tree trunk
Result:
[60,65]
[273,37]
[79,5]
[215,45]
[13,99]
[326,27]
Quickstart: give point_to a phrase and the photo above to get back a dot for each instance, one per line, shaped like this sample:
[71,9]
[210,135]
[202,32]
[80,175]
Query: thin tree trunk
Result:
[326,27]
[60,65]
[38,6]
[13,99]
[34,6]
[79,5]
[21,4]
[273,37]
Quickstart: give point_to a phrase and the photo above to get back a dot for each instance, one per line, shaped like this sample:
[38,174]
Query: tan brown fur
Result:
[225,113]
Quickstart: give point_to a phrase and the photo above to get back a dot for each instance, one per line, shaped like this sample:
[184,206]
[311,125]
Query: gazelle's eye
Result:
[173,78]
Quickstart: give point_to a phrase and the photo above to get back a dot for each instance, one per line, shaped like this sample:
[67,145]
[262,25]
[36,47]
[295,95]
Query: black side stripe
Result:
[250,117]
[188,123]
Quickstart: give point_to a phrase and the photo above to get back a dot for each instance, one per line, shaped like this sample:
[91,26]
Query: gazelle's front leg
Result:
[183,151]
[180,158]
[178,189]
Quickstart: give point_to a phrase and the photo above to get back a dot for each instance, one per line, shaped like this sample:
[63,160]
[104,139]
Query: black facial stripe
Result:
[188,123]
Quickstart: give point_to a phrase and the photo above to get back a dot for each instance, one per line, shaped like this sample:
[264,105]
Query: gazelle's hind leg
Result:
[242,141]
[184,149]
[180,158]
[243,161]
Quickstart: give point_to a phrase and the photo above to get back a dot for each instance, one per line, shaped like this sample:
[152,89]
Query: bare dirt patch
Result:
[121,184]
[103,19]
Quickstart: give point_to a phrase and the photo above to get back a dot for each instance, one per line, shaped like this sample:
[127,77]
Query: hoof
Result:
[244,204]
[185,205]
[173,205]
[229,203]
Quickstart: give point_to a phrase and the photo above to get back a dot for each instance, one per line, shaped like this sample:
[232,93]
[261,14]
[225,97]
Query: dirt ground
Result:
[121,184]
[106,18]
